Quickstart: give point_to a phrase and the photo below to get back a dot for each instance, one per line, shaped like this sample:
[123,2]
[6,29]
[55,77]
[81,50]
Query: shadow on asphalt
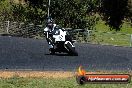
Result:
[59,54]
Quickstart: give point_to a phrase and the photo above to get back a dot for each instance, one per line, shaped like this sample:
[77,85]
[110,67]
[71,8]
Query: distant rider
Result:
[48,32]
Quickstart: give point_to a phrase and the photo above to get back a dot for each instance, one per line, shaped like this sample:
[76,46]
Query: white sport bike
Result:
[61,41]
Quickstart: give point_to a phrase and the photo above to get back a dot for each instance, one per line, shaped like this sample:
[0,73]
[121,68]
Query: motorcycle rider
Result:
[48,32]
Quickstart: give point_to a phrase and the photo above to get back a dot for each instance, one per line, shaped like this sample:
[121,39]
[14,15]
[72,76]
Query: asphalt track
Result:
[30,54]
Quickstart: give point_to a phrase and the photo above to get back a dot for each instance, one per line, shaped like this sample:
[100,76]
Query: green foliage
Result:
[19,12]
[114,12]
[5,10]
[130,10]
[73,13]
[68,13]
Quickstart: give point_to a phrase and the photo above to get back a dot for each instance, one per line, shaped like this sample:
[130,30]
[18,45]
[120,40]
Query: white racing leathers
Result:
[47,30]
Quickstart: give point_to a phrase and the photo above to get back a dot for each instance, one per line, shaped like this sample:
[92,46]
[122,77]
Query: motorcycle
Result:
[61,41]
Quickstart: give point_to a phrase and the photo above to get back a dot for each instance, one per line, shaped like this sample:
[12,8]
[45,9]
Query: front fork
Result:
[68,45]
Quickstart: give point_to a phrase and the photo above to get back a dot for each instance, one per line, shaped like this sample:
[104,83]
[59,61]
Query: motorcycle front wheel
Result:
[52,51]
[71,50]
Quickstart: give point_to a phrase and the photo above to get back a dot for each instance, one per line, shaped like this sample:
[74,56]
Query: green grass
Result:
[53,83]
[103,35]
[112,39]
[126,27]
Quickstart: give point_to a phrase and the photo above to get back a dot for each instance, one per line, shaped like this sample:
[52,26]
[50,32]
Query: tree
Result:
[113,12]
[5,10]
[68,13]
[129,15]
[37,11]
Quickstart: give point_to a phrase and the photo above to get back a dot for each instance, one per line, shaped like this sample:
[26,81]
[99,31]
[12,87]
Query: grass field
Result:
[126,27]
[44,79]
[17,82]
[103,35]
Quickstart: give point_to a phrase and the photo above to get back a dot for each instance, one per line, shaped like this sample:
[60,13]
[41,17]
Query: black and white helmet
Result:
[49,22]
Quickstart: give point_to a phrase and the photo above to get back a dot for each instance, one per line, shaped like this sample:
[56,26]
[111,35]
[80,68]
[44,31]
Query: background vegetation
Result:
[101,16]
[69,13]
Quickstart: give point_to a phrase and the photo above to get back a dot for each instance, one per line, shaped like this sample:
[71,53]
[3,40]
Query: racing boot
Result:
[51,49]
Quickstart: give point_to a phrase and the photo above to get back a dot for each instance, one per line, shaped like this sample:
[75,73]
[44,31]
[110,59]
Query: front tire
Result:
[52,51]
[71,50]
